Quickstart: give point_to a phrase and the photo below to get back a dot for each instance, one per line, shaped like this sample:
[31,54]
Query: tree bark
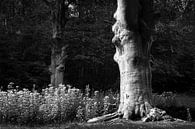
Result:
[132,39]
[133,57]
[58,51]
[58,66]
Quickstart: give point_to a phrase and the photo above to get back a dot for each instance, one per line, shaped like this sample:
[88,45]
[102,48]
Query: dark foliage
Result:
[25,37]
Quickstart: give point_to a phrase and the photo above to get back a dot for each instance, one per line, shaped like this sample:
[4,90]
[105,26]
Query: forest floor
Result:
[111,125]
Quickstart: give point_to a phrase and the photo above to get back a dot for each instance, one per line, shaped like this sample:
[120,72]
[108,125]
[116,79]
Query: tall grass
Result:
[63,104]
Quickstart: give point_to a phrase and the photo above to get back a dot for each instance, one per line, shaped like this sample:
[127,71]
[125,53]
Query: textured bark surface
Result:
[132,33]
[57,68]
[132,56]
[58,50]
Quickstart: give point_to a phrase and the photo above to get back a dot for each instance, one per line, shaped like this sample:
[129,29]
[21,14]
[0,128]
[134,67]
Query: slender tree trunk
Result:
[58,50]
[58,65]
[52,66]
[133,56]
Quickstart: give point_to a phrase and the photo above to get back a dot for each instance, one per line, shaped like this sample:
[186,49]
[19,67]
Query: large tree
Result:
[132,42]
[132,31]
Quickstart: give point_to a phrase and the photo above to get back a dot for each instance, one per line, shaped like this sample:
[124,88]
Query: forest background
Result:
[26,37]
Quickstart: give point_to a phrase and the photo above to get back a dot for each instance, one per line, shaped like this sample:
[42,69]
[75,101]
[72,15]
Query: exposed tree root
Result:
[155,114]
[104,118]
[134,110]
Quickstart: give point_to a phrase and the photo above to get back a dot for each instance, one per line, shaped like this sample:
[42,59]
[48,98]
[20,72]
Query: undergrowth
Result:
[64,104]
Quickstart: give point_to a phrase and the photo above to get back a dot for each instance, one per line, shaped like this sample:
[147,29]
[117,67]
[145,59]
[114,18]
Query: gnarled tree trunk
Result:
[133,56]
[132,39]
[57,68]
[59,8]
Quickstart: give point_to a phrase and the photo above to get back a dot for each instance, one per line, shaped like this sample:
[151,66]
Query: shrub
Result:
[65,103]
[168,102]
[60,104]
[166,99]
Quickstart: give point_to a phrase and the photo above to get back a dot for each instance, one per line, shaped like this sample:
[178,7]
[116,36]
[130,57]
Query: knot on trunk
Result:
[122,36]
[121,33]
[60,68]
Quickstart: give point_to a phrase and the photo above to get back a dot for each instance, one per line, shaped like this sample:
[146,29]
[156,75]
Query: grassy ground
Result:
[111,125]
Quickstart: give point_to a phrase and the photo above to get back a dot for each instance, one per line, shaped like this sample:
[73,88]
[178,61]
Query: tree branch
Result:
[47,2]
[106,21]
